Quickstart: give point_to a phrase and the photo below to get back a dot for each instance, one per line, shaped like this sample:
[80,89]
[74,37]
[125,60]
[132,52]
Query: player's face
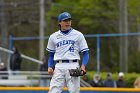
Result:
[65,24]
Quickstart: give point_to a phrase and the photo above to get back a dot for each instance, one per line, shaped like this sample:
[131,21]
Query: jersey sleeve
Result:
[83,44]
[50,46]
[85,58]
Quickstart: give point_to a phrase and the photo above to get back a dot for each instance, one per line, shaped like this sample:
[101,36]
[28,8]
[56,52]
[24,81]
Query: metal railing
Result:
[28,78]
[22,78]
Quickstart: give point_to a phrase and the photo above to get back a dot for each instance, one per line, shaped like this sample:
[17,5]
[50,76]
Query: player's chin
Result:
[67,27]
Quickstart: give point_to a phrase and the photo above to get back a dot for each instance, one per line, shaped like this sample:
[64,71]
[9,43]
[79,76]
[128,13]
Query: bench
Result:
[18,80]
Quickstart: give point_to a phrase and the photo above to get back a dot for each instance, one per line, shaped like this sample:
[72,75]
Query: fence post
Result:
[10,41]
[98,53]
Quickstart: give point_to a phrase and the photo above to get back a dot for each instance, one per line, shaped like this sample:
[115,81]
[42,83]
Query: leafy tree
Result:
[90,17]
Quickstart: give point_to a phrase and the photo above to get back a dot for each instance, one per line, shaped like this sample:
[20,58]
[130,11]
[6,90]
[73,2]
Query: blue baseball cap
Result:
[64,16]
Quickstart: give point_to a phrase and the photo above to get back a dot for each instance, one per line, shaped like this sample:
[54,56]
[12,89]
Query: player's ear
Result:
[59,25]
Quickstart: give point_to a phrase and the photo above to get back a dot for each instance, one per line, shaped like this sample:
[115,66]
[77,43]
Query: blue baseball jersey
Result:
[67,46]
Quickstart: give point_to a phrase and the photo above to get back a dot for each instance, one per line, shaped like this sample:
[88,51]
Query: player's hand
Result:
[83,68]
[50,71]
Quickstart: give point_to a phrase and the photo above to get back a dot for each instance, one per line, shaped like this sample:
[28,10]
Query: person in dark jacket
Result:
[96,82]
[109,82]
[120,82]
[15,61]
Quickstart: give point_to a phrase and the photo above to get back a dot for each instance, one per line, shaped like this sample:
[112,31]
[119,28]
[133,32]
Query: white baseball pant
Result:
[61,77]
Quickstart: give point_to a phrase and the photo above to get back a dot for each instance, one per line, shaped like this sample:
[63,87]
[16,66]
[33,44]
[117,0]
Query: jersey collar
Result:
[66,32]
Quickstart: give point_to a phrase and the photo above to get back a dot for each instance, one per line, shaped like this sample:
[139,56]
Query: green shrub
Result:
[128,77]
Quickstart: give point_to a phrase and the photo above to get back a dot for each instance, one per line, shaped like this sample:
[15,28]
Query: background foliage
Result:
[100,17]
[89,17]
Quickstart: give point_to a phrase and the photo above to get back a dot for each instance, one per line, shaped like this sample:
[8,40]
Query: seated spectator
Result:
[3,70]
[120,82]
[137,83]
[109,82]
[96,82]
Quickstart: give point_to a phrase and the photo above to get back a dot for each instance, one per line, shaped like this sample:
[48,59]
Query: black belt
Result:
[66,61]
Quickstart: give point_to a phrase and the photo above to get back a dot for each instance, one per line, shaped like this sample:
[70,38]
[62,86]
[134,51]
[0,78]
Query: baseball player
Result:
[64,47]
